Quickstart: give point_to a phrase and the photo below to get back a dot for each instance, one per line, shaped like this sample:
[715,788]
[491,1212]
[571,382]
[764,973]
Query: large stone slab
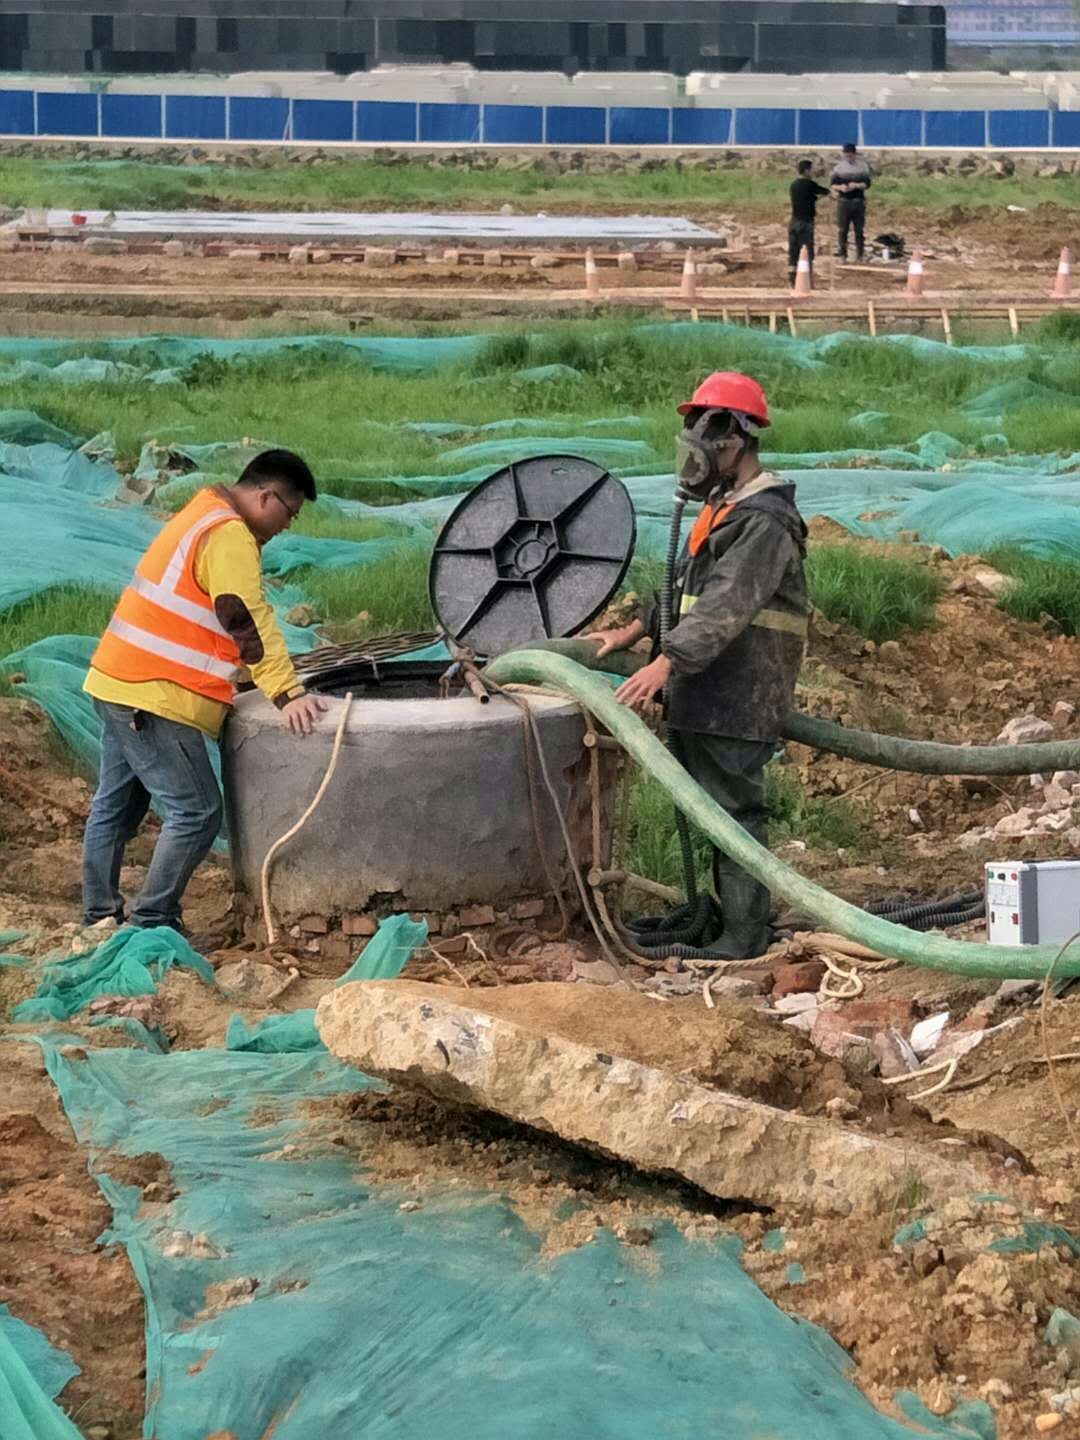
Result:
[448,1045]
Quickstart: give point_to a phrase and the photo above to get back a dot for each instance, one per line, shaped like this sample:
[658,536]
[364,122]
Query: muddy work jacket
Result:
[741,612]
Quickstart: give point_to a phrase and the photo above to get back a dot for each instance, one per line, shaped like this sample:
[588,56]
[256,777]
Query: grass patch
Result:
[875,595]
[652,842]
[1040,587]
[822,822]
[348,184]
[387,594]
[62,610]
[351,421]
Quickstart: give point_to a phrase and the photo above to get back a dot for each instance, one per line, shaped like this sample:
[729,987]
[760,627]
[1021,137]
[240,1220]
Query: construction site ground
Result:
[972,256]
[942,1316]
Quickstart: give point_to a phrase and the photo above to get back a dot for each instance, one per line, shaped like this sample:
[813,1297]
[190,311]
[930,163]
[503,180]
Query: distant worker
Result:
[733,655]
[805,193]
[850,180]
[162,677]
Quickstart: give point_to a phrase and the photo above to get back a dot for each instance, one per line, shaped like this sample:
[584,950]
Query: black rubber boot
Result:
[745,905]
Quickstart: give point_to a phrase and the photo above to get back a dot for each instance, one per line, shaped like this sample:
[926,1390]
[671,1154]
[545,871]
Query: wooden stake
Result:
[724,315]
[945,324]
[695,314]
[871,317]
[772,322]
[791,321]
[1014,321]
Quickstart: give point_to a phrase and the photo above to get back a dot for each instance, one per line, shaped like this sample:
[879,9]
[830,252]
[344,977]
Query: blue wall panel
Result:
[386,120]
[765,127]
[1018,127]
[828,127]
[513,124]
[1066,127]
[16,112]
[322,119]
[136,115]
[700,127]
[255,118]
[955,127]
[575,125]
[195,117]
[892,127]
[459,124]
[67,114]
[638,125]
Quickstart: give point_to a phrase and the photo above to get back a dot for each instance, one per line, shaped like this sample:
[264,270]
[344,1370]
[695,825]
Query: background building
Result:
[344,36]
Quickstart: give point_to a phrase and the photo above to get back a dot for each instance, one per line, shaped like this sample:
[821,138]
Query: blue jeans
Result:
[144,756]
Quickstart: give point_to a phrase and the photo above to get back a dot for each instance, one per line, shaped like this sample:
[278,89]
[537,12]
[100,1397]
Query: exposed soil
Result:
[53,1272]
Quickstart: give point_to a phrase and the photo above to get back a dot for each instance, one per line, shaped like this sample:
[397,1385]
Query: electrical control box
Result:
[1032,902]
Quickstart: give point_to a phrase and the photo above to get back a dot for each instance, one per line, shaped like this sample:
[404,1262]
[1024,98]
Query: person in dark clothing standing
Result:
[731,660]
[851,180]
[805,193]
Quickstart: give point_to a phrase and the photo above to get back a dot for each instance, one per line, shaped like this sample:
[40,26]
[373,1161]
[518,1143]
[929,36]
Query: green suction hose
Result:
[893,752]
[540,667]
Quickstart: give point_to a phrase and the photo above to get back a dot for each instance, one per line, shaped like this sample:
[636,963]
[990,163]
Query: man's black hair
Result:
[849,148]
[280,465]
[804,167]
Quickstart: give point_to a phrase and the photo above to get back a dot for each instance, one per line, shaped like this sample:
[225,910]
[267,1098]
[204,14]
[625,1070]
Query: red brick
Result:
[359,924]
[473,915]
[314,925]
[527,910]
[899,1014]
[800,977]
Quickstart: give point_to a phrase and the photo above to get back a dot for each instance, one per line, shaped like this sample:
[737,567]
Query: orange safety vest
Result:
[706,523]
[164,626]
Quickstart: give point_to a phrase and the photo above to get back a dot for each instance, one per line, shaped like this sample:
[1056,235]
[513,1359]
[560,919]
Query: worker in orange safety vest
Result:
[190,623]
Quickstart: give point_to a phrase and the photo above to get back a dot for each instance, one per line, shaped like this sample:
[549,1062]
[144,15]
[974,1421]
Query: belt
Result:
[782,620]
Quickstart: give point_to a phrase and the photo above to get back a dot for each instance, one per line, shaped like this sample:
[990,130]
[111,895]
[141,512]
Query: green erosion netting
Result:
[287,1292]
[67,517]
[32,1374]
[134,962]
[131,962]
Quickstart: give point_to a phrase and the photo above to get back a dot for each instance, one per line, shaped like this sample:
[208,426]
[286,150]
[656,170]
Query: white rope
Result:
[268,919]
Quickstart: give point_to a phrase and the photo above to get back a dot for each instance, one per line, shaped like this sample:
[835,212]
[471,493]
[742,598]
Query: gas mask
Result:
[708,450]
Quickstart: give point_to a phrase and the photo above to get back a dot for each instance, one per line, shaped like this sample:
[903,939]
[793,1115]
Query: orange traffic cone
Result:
[1063,280]
[688,288]
[915,274]
[803,284]
[592,276]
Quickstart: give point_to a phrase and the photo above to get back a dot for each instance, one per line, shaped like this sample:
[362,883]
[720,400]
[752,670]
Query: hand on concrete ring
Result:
[302,713]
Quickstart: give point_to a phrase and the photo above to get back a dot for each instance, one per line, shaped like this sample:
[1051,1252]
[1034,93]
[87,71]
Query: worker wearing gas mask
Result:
[731,658]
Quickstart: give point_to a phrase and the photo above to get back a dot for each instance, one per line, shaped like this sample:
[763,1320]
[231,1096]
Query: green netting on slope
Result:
[334,1312]
[131,962]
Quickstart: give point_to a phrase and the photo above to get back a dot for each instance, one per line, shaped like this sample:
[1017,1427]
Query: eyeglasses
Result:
[292,514]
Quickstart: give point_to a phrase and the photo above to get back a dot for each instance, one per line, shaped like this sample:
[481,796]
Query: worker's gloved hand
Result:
[301,713]
[612,640]
[645,685]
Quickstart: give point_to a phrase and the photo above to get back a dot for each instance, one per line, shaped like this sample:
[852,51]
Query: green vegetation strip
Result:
[274,182]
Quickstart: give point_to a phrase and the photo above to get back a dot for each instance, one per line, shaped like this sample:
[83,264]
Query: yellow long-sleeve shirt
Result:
[227,564]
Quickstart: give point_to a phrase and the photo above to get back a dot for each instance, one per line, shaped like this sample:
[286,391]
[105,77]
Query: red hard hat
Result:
[728,390]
